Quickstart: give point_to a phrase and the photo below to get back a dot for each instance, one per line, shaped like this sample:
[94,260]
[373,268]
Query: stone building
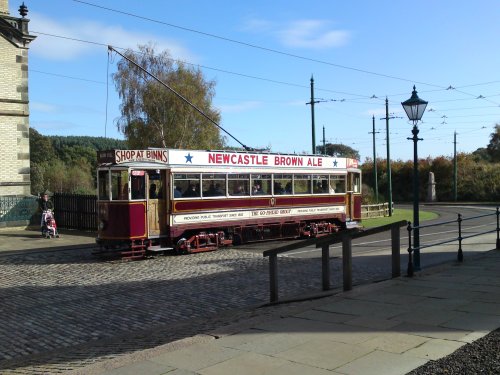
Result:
[14,103]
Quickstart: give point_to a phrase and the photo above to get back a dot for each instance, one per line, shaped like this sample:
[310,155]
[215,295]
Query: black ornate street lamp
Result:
[414,108]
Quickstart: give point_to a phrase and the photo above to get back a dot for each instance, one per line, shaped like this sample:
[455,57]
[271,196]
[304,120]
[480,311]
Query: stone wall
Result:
[14,104]
[4,6]
[14,120]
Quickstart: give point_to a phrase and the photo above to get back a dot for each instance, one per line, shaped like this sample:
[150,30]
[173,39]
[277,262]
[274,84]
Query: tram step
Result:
[159,248]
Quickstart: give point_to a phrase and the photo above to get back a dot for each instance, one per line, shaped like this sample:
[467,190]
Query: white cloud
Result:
[312,34]
[309,33]
[42,107]
[57,48]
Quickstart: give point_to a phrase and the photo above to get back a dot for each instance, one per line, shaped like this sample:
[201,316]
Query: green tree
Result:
[153,116]
[339,150]
[493,147]
[41,149]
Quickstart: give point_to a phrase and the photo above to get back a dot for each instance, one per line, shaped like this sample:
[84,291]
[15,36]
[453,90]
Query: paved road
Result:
[428,235]
[63,310]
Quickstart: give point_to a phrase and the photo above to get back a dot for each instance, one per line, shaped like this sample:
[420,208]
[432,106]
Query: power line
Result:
[360,96]
[254,45]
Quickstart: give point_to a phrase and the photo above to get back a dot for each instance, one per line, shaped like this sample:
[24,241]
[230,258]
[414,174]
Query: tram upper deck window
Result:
[261,184]
[214,184]
[186,185]
[282,184]
[103,183]
[302,184]
[337,183]
[320,184]
[138,184]
[119,185]
[238,184]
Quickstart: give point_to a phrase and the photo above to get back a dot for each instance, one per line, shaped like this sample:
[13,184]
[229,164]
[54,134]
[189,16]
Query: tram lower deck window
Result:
[103,183]
[337,183]
[119,185]
[214,184]
[186,185]
[282,184]
[302,184]
[238,184]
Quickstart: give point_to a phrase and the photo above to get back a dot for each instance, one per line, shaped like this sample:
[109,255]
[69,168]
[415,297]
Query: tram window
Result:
[138,185]
[186,185]
[155,185]
[302,184]
[103,182]
[320,184]
[119,185]
[261,184]
[238,184]
[337,183]
[214,184]
[357,183]
[282,184]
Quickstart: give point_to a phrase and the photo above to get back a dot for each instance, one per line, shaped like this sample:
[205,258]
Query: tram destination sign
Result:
[129,156]
[242,159]
[225,159]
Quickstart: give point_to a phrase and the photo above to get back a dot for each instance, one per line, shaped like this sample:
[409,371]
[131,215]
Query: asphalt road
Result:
[432,231]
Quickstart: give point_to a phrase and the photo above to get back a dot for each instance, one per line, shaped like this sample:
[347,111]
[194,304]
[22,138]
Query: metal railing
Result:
[459,238]
[17,209]
[324,243]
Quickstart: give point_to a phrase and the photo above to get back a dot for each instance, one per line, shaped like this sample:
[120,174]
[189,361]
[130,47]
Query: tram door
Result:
[349,199]
[353,187]
[156,199]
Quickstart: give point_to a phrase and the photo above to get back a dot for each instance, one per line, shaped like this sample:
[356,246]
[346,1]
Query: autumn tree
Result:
[152,115]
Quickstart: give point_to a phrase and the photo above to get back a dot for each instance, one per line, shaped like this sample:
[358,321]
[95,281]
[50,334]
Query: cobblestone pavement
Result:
[65,310]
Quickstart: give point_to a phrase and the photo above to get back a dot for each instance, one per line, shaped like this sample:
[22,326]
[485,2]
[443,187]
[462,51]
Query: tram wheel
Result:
[237,240]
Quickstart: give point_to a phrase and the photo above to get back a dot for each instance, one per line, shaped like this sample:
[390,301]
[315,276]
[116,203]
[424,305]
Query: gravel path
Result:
[479,357]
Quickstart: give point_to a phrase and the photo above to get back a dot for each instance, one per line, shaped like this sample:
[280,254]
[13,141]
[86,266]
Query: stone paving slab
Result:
[379,362]
[326,338]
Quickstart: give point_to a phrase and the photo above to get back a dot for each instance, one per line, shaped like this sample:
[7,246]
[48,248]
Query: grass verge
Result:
[398,215]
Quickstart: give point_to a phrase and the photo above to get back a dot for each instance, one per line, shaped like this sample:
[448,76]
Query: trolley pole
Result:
[455,179]
[324,142]
[312,117]
[375,182]
[389,181]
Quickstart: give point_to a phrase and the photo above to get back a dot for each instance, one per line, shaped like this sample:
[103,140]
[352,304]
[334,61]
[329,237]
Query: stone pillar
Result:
[14,104]
[431,188]
[4,7]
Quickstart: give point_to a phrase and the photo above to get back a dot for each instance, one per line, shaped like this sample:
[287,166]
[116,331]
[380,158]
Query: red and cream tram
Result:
[191,201]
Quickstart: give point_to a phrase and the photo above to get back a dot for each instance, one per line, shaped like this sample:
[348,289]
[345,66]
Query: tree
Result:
[339,150]
[153,116]
[493,147]
[41,149]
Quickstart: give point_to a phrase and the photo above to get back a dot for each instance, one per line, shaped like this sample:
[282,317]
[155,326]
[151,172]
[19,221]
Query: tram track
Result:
[39,251]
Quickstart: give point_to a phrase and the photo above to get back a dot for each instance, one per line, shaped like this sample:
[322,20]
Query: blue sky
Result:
[262,55]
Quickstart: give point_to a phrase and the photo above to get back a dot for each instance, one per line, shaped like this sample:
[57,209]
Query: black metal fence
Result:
[75,211]
[18,210]
[460,236]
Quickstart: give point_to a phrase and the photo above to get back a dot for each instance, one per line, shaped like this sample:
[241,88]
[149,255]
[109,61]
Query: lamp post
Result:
[414,108]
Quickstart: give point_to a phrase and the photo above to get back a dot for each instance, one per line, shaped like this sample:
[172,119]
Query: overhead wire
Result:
[351,100]
[254,45]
